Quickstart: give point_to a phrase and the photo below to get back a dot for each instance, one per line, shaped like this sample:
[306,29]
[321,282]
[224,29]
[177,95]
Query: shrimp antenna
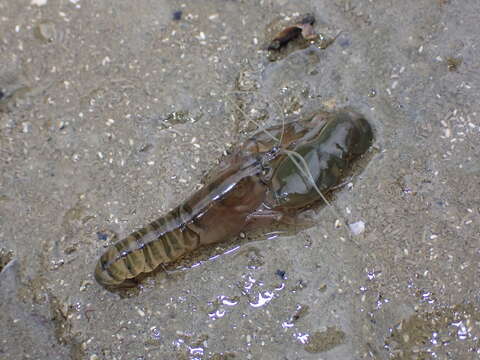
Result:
[274,101]
[298,159]
[250,119]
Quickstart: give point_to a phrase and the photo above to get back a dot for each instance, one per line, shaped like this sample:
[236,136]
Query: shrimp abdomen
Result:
[144,250]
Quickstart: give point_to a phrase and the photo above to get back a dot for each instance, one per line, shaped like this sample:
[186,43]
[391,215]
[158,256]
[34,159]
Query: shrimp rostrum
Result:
[261,182]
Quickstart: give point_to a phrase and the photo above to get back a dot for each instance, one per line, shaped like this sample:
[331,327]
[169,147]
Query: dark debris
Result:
[304,28]
[102,236]
[177,15]
[453,63]
[281,273]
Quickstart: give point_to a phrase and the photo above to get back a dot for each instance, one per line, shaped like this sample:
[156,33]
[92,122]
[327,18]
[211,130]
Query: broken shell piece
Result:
[45,31]
[304,28]
[357,227]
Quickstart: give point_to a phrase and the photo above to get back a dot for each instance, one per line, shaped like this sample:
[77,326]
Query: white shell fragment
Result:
[338,223]
[357,227]
[39,2]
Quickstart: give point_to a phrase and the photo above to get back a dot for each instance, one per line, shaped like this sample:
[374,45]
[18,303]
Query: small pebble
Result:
[25,127]
[177,15]
[102,236]
[357,227]
[45,31]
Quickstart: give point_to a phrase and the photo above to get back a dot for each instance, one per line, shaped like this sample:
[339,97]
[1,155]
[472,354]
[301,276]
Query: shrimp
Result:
[258,181]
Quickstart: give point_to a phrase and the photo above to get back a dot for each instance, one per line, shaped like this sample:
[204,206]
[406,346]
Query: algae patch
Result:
[321,341]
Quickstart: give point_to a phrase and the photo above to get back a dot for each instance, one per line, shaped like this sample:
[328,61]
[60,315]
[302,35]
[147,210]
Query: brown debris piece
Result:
[304,28]
[453,63]
[284,37]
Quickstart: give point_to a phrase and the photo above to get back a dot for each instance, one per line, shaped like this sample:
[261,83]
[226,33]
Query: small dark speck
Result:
[2,94]
[102,236]
[344,42]
[280,273]
[177,15]
[146,148]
